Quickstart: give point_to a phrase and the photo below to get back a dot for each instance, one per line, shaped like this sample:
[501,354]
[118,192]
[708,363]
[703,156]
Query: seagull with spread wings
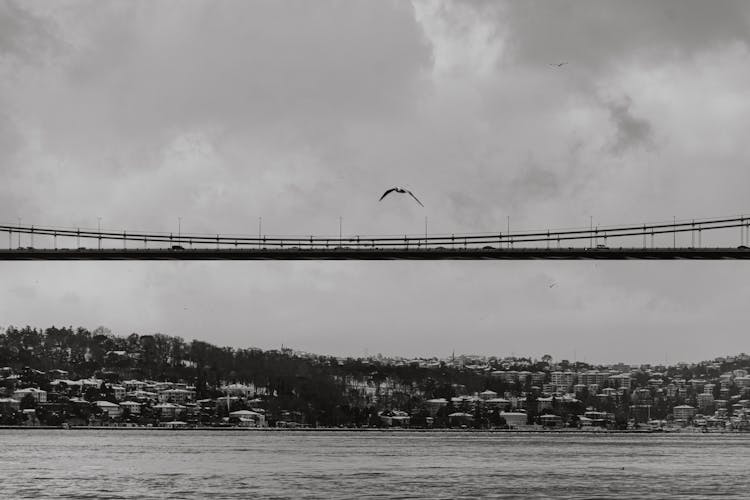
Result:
[402,191]
[559,65]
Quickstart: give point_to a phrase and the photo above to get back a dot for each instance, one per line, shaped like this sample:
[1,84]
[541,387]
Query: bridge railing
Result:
[550,238]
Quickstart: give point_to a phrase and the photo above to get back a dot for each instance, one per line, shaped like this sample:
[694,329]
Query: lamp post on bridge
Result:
[179,229]
[19,232]
[99,230]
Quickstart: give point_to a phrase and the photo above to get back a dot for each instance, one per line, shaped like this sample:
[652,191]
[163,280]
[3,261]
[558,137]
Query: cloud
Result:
[631,131]
[25,37]
[600,35]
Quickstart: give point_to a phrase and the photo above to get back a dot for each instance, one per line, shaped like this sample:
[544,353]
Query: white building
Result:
[485,395]
[563,380]
[514,419]
[112,410]
[705,400]
[248,418]
[168,411]
[119,392]
[39,395]
[178,396]
[133,407]
[684,413]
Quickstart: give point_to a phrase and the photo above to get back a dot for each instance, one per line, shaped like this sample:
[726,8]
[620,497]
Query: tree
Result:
[28,401]
[531,408]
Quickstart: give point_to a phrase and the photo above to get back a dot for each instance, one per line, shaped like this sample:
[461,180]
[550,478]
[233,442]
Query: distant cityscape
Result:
[76,377]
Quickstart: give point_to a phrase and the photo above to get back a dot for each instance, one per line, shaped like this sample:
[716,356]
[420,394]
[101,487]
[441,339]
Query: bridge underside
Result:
[380,254]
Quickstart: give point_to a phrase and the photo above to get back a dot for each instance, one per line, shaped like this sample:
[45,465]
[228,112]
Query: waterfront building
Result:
[514,419]
[168,411]
[248,418]
[112,410]
[544,403]
[683,413]
[39,395]
[9,404]
[597,418]
[640,413]
[551,420]
[433,405]
[133,407]
[460,419]
[394,418]
[498,403]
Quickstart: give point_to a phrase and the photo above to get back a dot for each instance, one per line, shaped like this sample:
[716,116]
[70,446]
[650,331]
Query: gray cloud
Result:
[604,34]
[631,131]
[24,36]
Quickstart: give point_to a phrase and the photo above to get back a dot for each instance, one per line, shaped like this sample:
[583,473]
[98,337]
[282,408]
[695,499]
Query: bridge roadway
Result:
[732,253]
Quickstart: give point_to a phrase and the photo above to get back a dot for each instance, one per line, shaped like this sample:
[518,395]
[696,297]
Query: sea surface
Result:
[241,464]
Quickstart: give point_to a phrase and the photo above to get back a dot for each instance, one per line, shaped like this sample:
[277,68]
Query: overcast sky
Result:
[300,112]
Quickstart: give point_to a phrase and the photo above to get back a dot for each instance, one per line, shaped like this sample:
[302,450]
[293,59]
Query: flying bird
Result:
[552,285]
[559,65]
[402,191]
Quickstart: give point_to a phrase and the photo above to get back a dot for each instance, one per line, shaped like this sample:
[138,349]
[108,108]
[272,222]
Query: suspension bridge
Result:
[634,241]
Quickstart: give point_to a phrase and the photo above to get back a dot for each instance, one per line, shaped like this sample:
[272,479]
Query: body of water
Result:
[203,464]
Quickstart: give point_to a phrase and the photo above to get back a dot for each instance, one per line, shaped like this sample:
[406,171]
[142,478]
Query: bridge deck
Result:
[380,254]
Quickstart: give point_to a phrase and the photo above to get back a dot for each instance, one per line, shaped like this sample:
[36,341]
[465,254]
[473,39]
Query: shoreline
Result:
[371,430]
